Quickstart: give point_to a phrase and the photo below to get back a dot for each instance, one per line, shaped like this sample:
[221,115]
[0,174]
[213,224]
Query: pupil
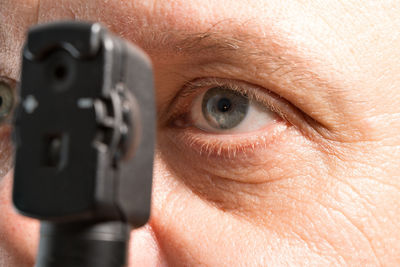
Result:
[224,105]
[1,101]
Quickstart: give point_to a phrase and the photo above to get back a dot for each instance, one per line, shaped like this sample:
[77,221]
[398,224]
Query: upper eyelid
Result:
[194,86]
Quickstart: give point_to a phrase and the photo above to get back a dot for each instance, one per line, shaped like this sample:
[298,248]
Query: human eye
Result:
[223,116]
[220,109]
[7,103]
[7,99]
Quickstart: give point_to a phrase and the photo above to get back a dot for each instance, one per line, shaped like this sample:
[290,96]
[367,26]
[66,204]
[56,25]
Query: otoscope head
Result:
[84,126]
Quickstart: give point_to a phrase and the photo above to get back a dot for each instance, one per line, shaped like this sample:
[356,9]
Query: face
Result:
[278,129]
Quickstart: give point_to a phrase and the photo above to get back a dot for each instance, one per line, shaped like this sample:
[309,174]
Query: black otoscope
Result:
[84,139]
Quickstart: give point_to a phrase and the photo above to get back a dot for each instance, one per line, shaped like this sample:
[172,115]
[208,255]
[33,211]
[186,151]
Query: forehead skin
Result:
[338,61]
[12,33]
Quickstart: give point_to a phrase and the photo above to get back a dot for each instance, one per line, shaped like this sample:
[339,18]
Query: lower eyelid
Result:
[226,145]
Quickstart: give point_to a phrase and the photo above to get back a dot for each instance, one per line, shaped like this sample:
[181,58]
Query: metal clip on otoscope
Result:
[84,135]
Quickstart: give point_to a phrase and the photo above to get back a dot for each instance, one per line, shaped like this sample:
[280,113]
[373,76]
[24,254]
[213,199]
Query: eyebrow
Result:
[215,42]
[233,48]
[210,42]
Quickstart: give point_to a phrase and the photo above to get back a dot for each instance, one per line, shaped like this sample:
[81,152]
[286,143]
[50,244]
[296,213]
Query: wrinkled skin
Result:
[320,188]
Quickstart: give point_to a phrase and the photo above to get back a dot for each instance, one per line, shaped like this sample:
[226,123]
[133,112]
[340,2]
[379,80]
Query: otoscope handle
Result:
[101,244]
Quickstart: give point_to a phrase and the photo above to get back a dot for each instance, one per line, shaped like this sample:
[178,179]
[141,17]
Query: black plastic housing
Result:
[84,127]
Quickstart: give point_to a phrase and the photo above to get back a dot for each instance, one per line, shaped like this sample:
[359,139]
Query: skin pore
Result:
[317,185]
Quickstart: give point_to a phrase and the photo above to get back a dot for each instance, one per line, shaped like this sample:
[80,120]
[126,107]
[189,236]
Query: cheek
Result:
[6,150]
[199,219]
[191,232]
[251,183]
[19,235]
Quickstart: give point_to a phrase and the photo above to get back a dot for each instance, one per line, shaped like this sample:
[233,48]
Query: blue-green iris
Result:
[224,108]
